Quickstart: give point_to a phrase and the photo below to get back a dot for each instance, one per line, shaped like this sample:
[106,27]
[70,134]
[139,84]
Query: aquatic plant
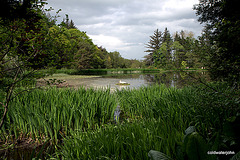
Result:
[53,112]
[151,118]
[125,141]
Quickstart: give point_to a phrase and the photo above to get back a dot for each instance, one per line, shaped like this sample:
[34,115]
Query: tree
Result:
[63,47]
[108,62]
[191,48]
[161,56]
[84,55]
[164,52]
[25,47]
[203,48]
[178,54]
[98,59]
[116,59]
[65,23]
[72,25]
[153,45]
[176,36]
[135,63]
[21,9]
[222,19]
[167,39]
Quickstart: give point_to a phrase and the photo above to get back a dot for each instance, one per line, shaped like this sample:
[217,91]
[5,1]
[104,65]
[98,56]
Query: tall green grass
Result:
[170,105]
[125,141]
[152,118]
[53,113]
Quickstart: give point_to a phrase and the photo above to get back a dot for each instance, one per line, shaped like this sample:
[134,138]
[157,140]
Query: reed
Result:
[126,141]
[158,102]
[152,118]
[53,113]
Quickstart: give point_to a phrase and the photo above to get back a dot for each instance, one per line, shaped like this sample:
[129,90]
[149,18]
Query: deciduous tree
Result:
[222,19]
[24,47]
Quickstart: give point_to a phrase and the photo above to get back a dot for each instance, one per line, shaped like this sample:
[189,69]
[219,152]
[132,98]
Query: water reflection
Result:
[176,79]
[171,79]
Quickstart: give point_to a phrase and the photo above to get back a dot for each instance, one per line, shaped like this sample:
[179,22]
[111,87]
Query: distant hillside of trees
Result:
[64,44]
[76,50]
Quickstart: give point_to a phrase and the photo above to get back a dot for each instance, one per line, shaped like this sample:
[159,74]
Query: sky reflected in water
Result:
[171,79]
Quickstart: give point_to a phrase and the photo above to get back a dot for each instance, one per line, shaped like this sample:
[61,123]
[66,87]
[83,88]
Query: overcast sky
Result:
[125,25]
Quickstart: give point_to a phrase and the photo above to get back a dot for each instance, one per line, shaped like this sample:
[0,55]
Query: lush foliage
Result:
[222,20]
[217,48]
[24,46]
[166,51]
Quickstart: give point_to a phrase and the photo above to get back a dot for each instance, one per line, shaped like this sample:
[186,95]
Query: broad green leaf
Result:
[231,127]
[156,155]
[196,148]
[190,130]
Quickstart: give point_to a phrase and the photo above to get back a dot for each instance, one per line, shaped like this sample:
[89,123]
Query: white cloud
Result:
[114,43]
[125,25]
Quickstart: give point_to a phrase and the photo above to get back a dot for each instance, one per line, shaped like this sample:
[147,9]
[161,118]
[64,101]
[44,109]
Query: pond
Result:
[137,80]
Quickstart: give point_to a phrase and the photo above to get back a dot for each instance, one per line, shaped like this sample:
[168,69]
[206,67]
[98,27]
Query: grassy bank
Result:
[104,71]
[81,121]
[67,76]
[113,71]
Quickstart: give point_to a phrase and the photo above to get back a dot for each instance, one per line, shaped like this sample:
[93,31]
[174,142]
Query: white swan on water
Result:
[122,82]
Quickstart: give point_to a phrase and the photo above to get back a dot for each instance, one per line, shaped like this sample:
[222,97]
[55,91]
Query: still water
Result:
[171,79]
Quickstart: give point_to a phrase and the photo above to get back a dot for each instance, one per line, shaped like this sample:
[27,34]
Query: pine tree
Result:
[176,37]
[166,36]
[69,25]
[168,40]
[153,45]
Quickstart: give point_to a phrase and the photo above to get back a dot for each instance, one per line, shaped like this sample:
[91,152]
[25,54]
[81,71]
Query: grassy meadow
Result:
[80,123]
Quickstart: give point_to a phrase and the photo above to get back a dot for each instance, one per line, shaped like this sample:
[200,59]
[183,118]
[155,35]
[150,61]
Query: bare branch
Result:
[8,98]
[4,114]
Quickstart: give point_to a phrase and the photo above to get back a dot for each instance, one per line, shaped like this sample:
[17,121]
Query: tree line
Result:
[29,29]
[172,51]
[75,49]
[217,49]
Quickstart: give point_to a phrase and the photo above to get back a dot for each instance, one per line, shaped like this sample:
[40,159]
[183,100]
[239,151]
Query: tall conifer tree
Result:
[168,40]
[153,45]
